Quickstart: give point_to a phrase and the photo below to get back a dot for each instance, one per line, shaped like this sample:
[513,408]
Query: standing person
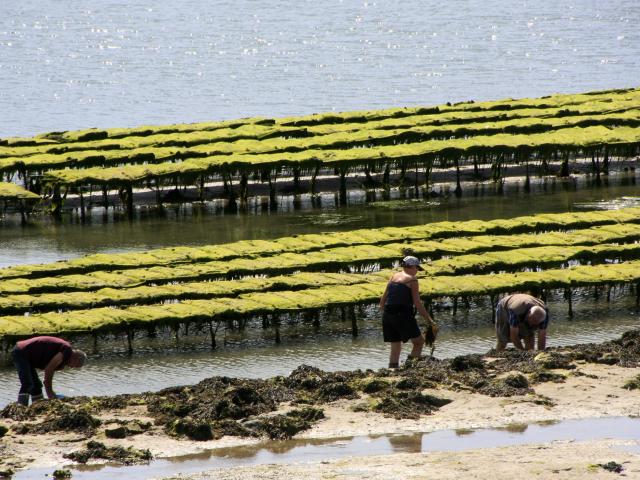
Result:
[45,353]
[518,318]
[399,302]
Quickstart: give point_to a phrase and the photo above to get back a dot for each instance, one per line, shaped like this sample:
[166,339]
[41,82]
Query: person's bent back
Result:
[44,353]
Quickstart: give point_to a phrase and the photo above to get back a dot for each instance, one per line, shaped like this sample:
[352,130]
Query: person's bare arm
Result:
[542,339]
[514,333]
[417,301]
[49,370]
[383,299]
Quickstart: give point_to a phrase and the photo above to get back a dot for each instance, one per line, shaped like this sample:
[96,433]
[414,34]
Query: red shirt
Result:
[40,350]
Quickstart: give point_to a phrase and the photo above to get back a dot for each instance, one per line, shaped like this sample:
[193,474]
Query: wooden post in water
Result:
[296,179]
[130,341]
[82,210]
[273,202]
[354,320]
[385,180]
[568,295]
[343,185]
[314,175]
[212,332]
[458,185]
[244,190]
[56,203]
[201,188]
[176,333]
[276,322]
[564,169]
[23,215]
[129,199]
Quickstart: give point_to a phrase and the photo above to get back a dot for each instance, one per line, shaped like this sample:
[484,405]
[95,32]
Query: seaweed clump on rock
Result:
[58,417]
[97,450]
[317,386]
[222,406]
[624,351]
[280,427]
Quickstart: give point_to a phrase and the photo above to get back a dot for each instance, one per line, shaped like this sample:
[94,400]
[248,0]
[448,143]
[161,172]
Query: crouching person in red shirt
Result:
[45,353]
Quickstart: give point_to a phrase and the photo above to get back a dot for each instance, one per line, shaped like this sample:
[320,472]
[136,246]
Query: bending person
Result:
[518,318]
[45,353]
[399,303]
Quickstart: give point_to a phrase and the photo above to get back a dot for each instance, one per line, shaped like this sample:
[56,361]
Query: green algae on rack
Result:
[294,302]
[312,242]
[11,191]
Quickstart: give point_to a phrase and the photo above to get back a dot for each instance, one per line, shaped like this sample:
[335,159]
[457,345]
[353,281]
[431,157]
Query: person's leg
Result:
[502,328]
[24,374]
[36,389]
[528,342]
[418,343]
[394,354]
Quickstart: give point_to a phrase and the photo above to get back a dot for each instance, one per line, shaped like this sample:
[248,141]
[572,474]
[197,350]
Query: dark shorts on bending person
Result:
[399,324]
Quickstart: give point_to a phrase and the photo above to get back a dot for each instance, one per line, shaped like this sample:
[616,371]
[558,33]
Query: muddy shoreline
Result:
[469,391]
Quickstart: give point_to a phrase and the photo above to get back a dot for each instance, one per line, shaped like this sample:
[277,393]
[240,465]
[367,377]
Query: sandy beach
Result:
[561,385]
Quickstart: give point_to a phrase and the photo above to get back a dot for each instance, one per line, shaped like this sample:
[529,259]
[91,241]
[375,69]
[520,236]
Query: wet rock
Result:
[17,412]
[467,362]
[3,430]
[77,421]
[511,385]
[279,427]
[553,360]
[546,376]
[97,450]
[136,427]
[221,428]
[374,385]
[409,405]
[608,358]
[409,384]
[198,431]
[632,384]
[612,467]
[61,474]
[117,432]
[334,391]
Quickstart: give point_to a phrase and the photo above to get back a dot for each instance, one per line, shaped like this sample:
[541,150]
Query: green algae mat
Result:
[601,125]
[11,191]
[302,244]
[291,275]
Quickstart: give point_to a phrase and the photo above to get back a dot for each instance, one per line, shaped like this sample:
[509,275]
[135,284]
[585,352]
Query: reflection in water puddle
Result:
[316,450]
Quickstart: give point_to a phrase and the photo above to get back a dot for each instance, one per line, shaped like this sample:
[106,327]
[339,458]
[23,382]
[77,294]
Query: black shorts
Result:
[399,325]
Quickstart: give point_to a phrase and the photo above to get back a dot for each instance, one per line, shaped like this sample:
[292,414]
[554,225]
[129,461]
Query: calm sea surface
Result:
[115,63]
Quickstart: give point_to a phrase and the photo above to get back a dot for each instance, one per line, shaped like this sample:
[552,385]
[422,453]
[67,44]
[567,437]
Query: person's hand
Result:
[431,332]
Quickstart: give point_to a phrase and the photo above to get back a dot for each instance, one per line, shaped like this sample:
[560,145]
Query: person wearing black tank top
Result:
[399,303]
